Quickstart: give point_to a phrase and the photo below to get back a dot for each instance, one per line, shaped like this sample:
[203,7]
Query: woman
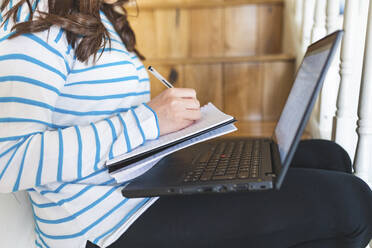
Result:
[73,95]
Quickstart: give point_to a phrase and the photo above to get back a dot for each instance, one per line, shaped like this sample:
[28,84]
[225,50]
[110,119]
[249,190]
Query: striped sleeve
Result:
[33,150]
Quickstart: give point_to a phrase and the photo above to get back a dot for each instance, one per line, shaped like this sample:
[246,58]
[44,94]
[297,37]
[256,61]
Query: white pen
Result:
[160,77]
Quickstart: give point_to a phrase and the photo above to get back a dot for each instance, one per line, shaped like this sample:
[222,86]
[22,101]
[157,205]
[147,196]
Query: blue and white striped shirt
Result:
[60,120]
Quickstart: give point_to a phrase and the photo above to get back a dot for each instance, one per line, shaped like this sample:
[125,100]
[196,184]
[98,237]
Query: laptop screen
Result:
[298,106]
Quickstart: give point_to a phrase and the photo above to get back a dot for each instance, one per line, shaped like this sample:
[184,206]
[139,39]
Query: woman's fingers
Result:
[192,114]
[190,103]
[181,92]
[176,109]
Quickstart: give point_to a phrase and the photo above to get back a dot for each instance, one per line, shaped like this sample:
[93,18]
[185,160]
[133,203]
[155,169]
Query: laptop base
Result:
[180,173]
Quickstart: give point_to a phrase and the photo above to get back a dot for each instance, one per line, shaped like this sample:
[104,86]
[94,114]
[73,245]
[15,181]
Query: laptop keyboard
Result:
[229,160]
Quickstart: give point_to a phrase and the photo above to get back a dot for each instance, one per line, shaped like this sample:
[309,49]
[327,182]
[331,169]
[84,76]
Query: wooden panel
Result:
[145,30]
[243,30]
[277,80]
[207,81]
[229,54]
[158,3]
[240,30]
[270,29]
[242,91]
[254,129]
[172,34]
[216,60]
[162,33]
[207,32]
[258,129]
[192,4]
[254,92]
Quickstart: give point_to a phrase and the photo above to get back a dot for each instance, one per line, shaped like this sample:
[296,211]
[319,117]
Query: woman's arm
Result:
[34,151]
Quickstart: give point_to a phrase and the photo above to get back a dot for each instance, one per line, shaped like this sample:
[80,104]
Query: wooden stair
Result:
[254,129]
[258,129]
[196,4]
[230,51]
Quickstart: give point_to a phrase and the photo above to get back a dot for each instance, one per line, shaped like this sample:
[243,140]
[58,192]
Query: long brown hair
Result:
[81,20]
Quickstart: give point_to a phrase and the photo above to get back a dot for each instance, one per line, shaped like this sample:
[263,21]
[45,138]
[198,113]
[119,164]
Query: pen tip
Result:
[149,68]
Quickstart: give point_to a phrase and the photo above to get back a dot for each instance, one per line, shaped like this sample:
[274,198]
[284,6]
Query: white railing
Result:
[347,101]
[363,157]
[344,109]
[343,112]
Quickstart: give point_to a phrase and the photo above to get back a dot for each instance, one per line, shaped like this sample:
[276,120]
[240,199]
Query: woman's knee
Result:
[357,211]
[322,154]
[346,208]
[361,196]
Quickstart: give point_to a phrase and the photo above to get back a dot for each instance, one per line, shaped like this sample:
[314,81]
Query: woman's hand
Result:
[176,109]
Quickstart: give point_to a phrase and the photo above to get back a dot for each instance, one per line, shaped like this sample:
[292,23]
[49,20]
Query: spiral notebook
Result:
[213,123]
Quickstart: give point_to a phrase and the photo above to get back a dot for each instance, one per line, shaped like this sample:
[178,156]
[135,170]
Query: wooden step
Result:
[254,129]
[227,59]
[195,4]
[230,51]
[249,88]
[258,129]
[228,31]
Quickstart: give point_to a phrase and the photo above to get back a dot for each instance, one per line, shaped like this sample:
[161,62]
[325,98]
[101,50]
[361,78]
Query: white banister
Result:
[346,114]
[307,23]
[319,27]
[328,95]
[298,15]
[333,11]
[363,156]
[318,32]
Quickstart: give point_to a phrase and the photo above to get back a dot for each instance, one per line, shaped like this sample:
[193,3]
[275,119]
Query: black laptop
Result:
[244,164]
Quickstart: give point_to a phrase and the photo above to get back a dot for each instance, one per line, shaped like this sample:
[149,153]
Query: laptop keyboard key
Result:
[223,177]
[227,161]
[243,175]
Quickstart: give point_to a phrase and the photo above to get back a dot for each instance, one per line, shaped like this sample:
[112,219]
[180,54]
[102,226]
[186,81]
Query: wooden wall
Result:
[229,51]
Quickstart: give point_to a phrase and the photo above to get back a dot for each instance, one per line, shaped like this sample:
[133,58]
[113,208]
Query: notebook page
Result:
[211,116]
[136,169]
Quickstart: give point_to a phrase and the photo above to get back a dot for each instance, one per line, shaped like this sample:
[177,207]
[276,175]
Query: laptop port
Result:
[207,189]
[241,187]
[221,188]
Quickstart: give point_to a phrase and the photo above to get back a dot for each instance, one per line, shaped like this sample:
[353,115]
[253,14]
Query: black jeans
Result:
[321,204]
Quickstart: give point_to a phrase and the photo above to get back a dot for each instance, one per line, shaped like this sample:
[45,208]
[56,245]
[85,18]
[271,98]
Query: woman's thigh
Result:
[313,205]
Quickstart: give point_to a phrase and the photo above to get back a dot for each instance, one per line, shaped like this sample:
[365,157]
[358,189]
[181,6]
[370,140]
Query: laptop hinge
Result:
[275,160]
